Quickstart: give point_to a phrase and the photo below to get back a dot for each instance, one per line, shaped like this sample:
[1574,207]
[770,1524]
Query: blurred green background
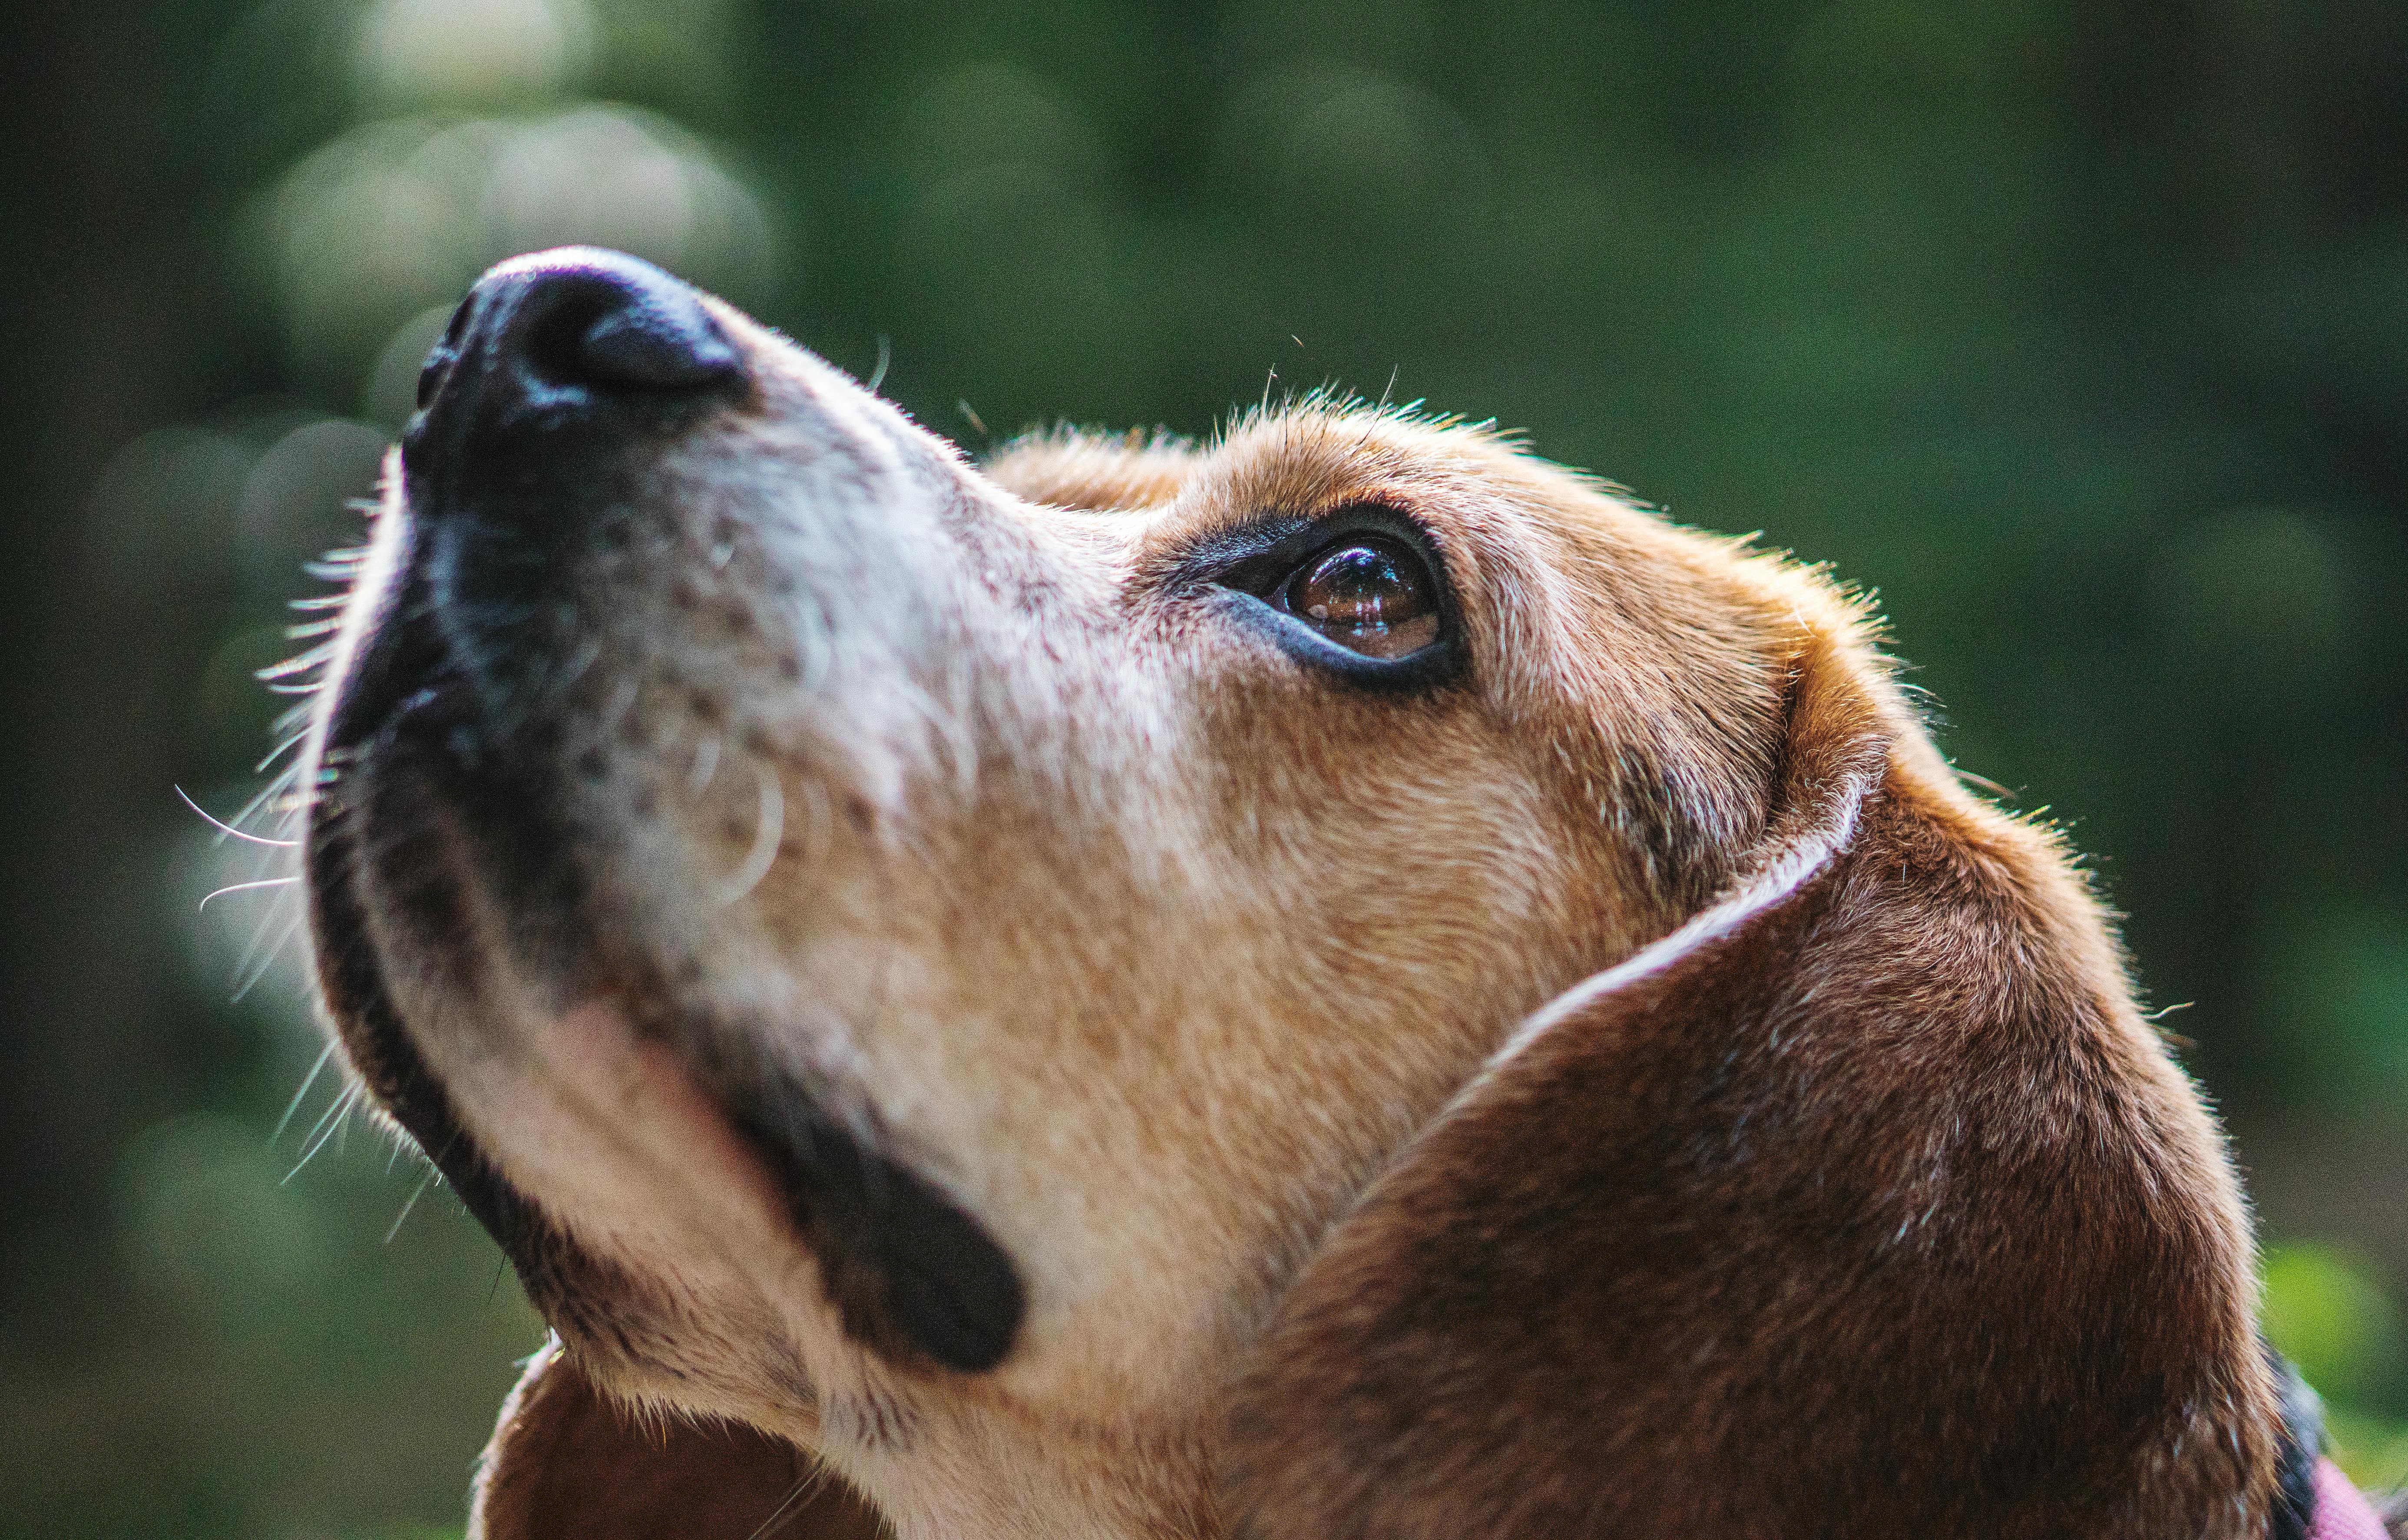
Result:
[2078,331]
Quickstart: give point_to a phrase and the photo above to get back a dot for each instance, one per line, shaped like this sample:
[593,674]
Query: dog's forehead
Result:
[1094,472]
[1296,461]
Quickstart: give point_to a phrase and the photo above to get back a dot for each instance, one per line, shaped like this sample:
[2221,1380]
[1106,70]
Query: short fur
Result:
[1630,1088]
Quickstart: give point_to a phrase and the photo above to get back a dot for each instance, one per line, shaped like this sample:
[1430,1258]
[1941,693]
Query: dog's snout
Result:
[559,337]
[543,410]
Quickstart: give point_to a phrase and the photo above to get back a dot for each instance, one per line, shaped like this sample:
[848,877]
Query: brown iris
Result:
[1368,593]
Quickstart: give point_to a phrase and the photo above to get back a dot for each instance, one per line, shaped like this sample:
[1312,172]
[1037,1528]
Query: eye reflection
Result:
[1367,594]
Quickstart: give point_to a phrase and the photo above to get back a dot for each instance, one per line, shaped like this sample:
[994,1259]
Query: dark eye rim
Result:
[1247,568]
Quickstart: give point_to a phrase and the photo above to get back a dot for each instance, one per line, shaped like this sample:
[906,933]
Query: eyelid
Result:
[1224,557]
[1256,557]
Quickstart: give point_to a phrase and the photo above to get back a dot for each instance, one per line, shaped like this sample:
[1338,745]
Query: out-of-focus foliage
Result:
[2079,333]
[2328,1316]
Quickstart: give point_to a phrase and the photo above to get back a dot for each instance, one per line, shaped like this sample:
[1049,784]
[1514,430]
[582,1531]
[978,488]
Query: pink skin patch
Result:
[2343,1512]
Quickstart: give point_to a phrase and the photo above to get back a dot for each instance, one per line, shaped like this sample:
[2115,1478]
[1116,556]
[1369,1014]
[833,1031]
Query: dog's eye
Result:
[1367,594]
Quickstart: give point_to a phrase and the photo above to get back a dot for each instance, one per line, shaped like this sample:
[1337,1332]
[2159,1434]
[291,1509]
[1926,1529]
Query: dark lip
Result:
[397,692]
[912,1275]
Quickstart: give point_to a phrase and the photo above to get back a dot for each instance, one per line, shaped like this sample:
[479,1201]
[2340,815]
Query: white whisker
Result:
[574,670]
[248,887]
[282,747]
[274,789]
[807,1483]
[423,1183]
[323,1130]
[706,764]
[300,662]
[266,963]
[768,830]
[307,1081]
[226,830]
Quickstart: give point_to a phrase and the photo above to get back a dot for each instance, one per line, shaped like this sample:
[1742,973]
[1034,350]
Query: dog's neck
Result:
[988,1474]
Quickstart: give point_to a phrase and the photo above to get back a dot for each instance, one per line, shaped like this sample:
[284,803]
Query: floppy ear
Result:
[566,1464]
[1863,1203]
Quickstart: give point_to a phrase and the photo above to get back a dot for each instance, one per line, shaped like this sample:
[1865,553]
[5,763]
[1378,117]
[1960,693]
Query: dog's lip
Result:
[605,1051]
[910,1273]
[600,1058]
[352,978]
[643,1088]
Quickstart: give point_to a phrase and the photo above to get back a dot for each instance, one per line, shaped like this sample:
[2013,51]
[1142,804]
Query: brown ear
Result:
[1863,1204]
[566,1464]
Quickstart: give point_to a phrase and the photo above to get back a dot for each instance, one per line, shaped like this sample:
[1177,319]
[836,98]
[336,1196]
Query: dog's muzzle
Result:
[561,381]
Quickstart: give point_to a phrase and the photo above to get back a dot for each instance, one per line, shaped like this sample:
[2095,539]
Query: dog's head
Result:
[1346,982]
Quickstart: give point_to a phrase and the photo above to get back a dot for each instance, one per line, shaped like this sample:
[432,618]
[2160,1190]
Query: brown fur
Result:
[1874,1217]
[565,1464]
[1631,1089]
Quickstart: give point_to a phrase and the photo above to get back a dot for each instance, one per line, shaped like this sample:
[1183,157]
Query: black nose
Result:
[542,415]
[562,335]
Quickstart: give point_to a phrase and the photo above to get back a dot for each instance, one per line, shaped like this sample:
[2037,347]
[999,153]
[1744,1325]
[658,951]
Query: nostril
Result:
[621,329]
[662,347]
[552,323]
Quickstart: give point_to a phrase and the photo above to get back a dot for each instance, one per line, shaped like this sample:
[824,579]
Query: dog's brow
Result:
[1273,483]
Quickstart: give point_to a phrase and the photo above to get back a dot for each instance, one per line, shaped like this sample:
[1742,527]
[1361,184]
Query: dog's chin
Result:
[527,1049]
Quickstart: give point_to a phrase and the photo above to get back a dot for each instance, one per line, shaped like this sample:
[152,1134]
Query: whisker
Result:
[423,1183]
[332,1119]
[574,670]
[274,789]
[300,662]
[706,764]
[338,566]
[266,963]
[768,830]
[250,887]
[307,1081]
[333,1106]
[250,954]
[285,746]
[225,829]
[805,1483]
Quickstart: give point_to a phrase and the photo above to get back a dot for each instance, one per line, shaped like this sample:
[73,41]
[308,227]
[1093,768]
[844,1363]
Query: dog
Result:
[1341,982]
